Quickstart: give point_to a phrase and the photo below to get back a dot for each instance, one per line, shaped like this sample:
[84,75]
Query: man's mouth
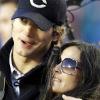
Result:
[27,44]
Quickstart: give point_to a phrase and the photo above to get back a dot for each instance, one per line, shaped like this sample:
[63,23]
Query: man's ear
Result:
[56,37]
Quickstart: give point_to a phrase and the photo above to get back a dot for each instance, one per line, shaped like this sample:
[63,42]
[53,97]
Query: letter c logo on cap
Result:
[38,6]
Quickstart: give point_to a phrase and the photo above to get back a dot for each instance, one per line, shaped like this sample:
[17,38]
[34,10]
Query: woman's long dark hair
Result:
[90,62]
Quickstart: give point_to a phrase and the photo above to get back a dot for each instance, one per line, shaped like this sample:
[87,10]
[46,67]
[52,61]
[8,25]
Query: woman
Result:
[75,74]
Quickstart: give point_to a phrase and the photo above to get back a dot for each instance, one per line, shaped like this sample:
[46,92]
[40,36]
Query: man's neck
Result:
[24,64]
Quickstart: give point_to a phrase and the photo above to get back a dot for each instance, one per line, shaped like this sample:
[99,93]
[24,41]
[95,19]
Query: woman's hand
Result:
[69,98]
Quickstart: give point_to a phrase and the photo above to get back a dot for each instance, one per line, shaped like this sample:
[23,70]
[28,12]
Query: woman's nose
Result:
[57,68]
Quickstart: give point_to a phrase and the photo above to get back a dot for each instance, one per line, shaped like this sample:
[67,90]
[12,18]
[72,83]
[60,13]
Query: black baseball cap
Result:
[44,13]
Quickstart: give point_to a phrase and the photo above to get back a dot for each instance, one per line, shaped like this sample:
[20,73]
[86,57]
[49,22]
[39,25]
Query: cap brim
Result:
[37,18]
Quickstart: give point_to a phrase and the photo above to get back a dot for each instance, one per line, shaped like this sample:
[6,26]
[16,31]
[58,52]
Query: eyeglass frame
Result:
[76,66]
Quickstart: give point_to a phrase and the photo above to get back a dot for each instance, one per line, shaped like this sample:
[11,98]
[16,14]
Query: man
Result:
[7,9]
[22,59]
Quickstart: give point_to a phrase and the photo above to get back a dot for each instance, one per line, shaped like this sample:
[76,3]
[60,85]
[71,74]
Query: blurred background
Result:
[84,18]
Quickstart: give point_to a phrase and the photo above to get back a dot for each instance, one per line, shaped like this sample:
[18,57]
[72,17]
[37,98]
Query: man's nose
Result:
[29,31]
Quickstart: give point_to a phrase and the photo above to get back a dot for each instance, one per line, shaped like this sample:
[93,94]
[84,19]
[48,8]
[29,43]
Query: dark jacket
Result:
[29,84]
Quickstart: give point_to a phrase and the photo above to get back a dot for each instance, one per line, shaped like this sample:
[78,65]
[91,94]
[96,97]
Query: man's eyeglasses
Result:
[70,66]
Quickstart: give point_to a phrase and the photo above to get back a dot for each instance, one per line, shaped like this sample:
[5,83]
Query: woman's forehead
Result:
[71,52]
